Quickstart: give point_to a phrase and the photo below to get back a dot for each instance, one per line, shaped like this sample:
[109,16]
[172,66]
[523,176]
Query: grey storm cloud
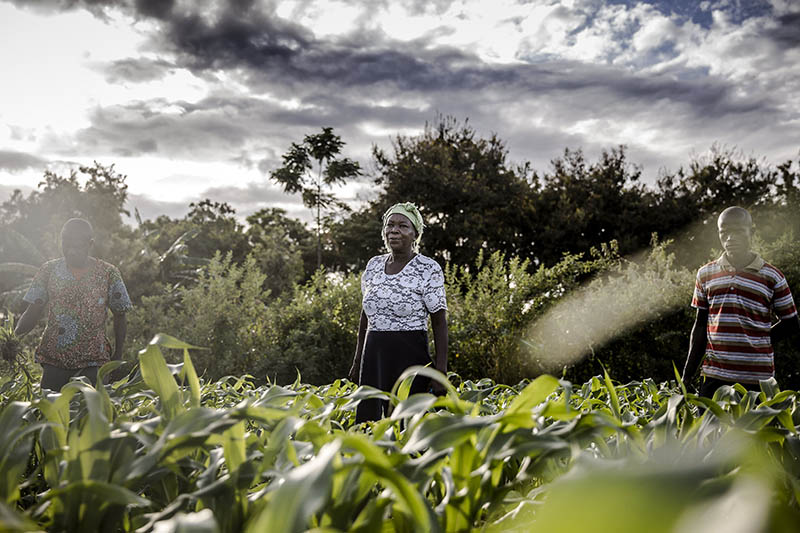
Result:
[339,80]
[275,53]
[252,195]
[136,70]
[786,32]
[140,127]
[17,161]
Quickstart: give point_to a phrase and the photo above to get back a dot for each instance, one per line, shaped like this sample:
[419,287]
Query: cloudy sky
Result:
[195,99]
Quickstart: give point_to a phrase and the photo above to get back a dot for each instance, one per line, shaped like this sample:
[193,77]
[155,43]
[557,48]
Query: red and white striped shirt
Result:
[740,308]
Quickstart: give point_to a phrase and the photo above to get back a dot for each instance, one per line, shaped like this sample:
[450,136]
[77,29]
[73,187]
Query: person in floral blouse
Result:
[76,291]
[400,290]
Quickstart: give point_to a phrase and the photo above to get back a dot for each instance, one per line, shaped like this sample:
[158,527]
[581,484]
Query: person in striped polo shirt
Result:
[736,297]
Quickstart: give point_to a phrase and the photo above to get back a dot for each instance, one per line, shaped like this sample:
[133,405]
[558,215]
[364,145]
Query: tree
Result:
[31,224]
[282,248]
[471,198]
[580,205]
[296,174]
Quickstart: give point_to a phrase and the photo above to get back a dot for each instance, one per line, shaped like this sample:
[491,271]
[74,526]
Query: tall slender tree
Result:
[312,165]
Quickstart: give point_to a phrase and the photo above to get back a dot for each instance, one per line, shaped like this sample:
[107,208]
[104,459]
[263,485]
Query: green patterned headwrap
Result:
[411,212]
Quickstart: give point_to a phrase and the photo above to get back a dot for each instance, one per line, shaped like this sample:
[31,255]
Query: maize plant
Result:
[162,450]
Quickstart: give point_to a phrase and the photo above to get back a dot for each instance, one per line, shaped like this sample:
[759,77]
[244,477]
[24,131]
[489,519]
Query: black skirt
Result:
[386,355]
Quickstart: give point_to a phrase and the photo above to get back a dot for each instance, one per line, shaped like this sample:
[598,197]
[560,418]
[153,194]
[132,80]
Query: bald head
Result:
[77,237]
[735,214]
[735,227]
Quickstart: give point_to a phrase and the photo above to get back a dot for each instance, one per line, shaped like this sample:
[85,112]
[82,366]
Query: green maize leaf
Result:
[234,446]
[183,434]
[403,388]
[158,377]
[711,405]
[188,375]
[303,492]
[106,492]
[612,395]
[268,416]
[756,419]
[678,378]
[409,499]
[104,371]
[444,432]
[94,454]
[786,420]
[168,341]
[427,372]
[532,395]
[371,518]
[15,448]
[364,392]
[13,522]
[199,522]
[84,505]
[769,387]
[415,405]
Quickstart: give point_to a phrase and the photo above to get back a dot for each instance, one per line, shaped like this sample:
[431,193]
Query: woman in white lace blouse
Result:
[399,290]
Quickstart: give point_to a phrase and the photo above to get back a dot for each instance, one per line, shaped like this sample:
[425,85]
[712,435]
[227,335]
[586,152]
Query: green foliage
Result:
[296,174]
[162,450]
[580,205]
[30,226]
[492,304]
[224,310]
[282,247]
[470,197]
[634,319]
[313,331]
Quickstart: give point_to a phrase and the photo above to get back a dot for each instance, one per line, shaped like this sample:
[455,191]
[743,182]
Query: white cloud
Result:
[544,75]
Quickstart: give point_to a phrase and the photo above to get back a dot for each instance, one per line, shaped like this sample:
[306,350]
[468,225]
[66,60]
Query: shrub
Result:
[491,309]
[314,330]
[223,312]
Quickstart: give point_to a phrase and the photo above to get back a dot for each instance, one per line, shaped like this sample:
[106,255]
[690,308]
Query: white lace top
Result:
[402,301]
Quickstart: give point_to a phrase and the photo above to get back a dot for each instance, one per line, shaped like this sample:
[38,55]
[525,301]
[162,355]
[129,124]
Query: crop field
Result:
[162,451]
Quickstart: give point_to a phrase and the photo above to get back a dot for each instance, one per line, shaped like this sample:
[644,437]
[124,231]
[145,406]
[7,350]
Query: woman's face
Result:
[399,233]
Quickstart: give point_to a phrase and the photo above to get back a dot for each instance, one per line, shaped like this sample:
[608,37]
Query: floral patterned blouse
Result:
[402,301]
[75,336]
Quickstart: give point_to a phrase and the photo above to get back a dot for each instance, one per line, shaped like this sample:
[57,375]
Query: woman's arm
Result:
[120,330]
[440,340]
[29,319]
[362,332]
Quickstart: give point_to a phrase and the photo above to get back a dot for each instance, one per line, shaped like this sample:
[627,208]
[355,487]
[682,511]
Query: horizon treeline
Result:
[253,294]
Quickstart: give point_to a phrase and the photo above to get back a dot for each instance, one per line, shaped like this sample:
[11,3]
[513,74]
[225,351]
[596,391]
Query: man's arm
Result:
[362,332]
[120,330]
[785,328]
[32,315]
[697,345]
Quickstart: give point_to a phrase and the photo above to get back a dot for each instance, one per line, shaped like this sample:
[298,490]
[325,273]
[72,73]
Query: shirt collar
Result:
[755,265]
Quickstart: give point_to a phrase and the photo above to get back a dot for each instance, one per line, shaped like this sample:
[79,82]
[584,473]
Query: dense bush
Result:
[492,304]
[507,321]
[225,312]
[313,332]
